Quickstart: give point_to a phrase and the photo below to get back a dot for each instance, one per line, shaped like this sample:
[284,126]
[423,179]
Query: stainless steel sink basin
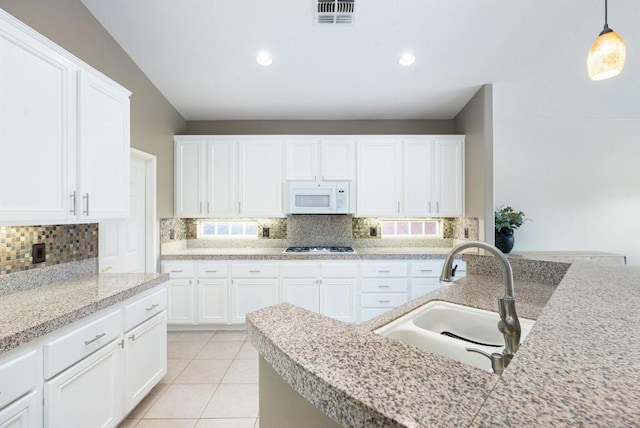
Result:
[448,329]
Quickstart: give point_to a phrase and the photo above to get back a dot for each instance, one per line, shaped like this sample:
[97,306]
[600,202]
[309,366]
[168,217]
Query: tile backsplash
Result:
[63,244]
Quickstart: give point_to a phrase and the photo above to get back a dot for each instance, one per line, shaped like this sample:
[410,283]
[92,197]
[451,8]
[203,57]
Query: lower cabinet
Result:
[180,301]
[212,301]
[338,299]
[303,292]
[248,294]
[24,413]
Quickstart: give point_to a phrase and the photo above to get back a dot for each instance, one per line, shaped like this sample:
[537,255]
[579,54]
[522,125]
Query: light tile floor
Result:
[211,382]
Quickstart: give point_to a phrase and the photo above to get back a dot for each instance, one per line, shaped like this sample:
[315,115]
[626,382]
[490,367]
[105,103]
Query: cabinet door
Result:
[417,179]
[88,394]
[145,359]
[301,160]
[338,160]
[103,148]
[221,178]
[251,294]
[378,184]
[37,130]
[449,178]
[422,286]
[260,178]
[180,301]
[212,301]
[301,292]
[24,413]
[338,299]
[189,179]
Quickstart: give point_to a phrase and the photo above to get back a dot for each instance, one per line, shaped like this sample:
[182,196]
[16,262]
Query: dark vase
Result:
[505,240]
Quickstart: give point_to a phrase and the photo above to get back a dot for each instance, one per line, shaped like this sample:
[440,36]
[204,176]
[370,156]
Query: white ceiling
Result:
[201,55]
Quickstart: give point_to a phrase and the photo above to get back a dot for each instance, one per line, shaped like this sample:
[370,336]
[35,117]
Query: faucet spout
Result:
[509,325]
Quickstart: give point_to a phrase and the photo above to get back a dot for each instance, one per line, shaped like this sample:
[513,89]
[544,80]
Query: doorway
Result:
[130,245]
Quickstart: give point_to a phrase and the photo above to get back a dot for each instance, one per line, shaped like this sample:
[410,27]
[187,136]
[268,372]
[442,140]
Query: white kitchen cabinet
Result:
[448,183]
[338,298]
[88,394]
[303,292]
[383,286]
[145,359]
[425,277]
[260,177]
[418,179]
[37,131]
[221,167]
[189,178]
[212,300]
[249,294]
[24,413]
[180,307]
[72,124]
[379,182]
[328,159]
[103,148]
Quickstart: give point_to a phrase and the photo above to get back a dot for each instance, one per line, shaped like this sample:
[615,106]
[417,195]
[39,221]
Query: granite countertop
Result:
[27,315]
[571,370]
[366,253]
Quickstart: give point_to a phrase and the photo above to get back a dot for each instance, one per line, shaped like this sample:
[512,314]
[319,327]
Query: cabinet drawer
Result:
[212,270]
[427,268]
[330,270]
[17,377]
[77,344]
[369,313]
[382,300]
[178,270]
[300,270]
[383,269]
[255,270]
[384,285]
[144,308]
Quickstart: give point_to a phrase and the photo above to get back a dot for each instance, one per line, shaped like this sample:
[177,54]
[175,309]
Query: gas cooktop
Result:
[319,250]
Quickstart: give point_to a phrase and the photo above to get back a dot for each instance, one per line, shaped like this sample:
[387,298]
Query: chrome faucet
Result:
[509,325]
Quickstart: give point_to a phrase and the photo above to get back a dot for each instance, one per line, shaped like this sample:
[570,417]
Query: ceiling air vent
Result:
[335,11]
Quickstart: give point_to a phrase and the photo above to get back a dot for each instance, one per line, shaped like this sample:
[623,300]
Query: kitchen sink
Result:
[447,329]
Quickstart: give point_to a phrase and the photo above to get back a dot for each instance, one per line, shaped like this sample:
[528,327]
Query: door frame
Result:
[152,252]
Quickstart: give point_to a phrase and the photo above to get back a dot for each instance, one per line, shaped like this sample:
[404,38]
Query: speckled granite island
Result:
[579,366]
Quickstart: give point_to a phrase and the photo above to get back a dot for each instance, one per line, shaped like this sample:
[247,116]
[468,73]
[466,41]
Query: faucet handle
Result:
[497,359]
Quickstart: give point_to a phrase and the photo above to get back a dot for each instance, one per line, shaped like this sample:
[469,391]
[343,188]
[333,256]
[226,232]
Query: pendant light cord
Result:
[606,21]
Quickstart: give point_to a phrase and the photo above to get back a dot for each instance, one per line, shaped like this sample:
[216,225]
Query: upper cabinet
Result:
[260,178]
[379,183]
[314,159]
[64,134]
[448,177]
[190,176]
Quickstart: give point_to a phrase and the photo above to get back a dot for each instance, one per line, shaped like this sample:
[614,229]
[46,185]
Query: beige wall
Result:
[153,120]
[475,120]
[331,127]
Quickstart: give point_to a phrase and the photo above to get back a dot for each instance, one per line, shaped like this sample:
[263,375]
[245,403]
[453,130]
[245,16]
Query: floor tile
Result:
[147,402]
[195,336]
[172,335]
[174,368]
[128,423]
[183,350]
[182,401]
[242,371]
[204,371]
[233,401]
[218,350]
[226,423]
[247,351]
[239,335]
[167,423]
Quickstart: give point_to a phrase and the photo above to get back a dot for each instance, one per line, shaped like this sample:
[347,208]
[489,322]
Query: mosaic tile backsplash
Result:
[63,244]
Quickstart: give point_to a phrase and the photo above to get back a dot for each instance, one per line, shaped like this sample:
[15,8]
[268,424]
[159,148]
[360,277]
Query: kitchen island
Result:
[565,373]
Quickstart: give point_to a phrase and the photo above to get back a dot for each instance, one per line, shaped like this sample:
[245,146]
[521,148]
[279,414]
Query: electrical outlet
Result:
[466,233]
[265,232]
[38,253]
[172,234]
[373,231]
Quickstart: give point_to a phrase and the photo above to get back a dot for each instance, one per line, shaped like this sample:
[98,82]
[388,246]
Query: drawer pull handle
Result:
[384,301]
[98,336]
[132,337]
[176,271]
[211,271]
[152,307]
[383,286]
[384,271]
[254,271]
[426,270]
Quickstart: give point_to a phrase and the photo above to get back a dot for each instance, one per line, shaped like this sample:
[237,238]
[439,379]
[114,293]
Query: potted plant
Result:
[506,221]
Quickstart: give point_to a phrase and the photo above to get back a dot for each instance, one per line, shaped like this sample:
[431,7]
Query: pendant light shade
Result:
[607,54]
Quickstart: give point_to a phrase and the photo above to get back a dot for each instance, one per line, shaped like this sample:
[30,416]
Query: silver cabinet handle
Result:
[398,207]
[210,271]
[384,301]
[72,196]
[254,271]
[86,198]
[176,271]
[208,207]
[426,270]
[121,344]
[383,286]
[132,337]
[429,206]
[98,336]
[239,207]
[152,307]
[200,207]
[437,207]
[384,271]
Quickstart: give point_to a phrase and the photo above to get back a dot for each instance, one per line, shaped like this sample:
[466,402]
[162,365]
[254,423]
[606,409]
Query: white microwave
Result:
[319,197]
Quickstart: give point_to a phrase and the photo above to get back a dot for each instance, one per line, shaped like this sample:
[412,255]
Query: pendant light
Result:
[607,54]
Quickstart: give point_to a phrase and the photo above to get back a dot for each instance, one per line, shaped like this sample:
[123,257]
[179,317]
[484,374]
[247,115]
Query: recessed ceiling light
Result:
[264,59]
[407,59]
